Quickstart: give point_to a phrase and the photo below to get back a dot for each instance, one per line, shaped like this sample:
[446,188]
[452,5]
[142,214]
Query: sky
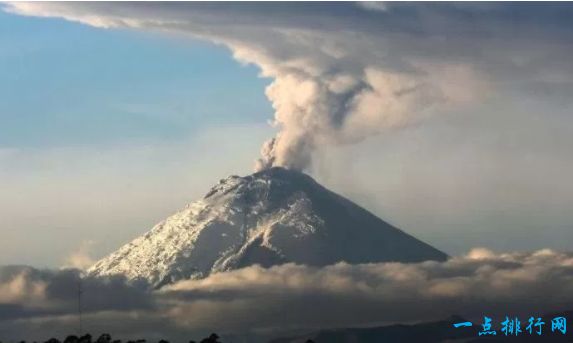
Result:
[451,122]
[105,132]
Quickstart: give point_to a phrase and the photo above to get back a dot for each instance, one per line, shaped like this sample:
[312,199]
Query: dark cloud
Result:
[29,292]
[350,295]
[37,304]
[262,301]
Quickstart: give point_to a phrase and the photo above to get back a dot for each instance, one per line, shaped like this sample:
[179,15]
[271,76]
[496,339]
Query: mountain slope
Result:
[267,218]
[429,332]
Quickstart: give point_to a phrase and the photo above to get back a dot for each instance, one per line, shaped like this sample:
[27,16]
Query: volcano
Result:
[271,217]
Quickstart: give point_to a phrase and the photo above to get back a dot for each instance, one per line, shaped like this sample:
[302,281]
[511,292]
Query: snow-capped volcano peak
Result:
[270,217]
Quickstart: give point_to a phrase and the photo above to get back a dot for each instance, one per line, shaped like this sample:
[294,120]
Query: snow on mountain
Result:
[270,217]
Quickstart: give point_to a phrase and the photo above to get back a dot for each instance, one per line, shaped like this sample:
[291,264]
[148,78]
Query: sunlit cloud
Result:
[255,299]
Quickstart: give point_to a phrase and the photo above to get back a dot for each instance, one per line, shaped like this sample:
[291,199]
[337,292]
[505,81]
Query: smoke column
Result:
[339,108]
[336,79]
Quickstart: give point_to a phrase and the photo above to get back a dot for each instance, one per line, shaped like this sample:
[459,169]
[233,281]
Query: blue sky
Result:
[88,114]
[69,84]
[112,117]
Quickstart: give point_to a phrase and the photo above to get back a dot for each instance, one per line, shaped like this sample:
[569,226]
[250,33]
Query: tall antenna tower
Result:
[80,291]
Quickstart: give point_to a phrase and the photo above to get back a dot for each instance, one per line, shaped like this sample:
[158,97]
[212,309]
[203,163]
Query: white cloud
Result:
[374,5]
[81,258]
[349,295]
[297,297]
[426,58]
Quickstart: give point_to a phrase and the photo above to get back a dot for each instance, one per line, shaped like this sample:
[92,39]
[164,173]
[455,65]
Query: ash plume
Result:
[344,72]
[314,108]
[329,87]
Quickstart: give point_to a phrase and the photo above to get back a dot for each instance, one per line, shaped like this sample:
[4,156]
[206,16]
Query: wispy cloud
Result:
[81,257]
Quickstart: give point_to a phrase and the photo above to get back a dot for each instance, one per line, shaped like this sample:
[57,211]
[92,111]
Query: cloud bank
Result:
[255,300]
[345,72]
